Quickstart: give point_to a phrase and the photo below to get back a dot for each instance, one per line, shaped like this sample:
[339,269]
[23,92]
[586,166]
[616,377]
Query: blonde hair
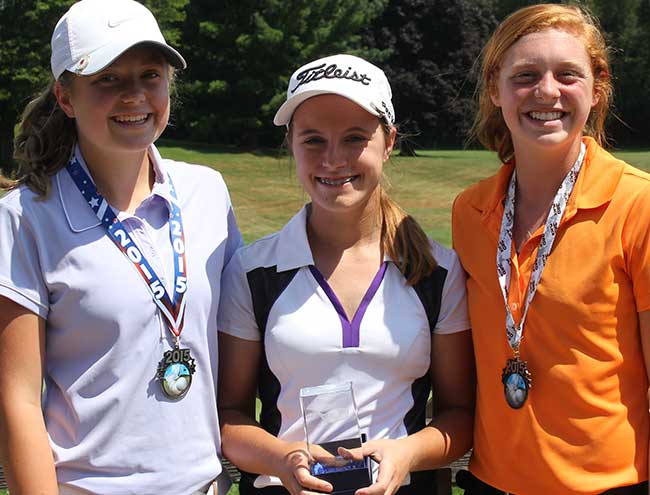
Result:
[44,143]
[489,126]
[402,238]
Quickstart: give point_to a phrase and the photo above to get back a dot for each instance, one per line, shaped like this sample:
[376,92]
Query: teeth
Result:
[131,118]
[546,115]
[335,182]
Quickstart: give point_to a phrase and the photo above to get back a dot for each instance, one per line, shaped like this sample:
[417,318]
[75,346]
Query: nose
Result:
[132,91]
[547,87]
[334,156]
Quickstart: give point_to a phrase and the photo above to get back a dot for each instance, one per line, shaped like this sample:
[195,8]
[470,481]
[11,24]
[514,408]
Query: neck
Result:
[540,173]
[124,179]
[336,232]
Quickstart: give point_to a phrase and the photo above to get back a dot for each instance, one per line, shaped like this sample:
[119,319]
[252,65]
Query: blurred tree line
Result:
[241,52]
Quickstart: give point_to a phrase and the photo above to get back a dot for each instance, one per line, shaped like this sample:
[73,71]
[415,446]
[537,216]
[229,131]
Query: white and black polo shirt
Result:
[273,293]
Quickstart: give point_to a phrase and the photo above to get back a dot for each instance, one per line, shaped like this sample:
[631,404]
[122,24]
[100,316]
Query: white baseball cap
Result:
[93,33]
[344,75]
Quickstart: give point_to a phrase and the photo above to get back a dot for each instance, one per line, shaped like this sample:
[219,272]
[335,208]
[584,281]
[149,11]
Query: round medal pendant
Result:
[516,382]
[175,373]
[515,388]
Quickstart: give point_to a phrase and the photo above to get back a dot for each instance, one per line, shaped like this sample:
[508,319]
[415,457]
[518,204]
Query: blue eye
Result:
[106,78]
[151,74]
[525,77]
[569,75]
[314,140]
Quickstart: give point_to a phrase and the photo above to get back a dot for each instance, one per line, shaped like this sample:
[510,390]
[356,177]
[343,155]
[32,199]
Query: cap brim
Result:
[285,112]
[106,55]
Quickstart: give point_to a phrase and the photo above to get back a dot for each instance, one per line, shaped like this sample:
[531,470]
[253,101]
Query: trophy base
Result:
[347,482]
[345,476]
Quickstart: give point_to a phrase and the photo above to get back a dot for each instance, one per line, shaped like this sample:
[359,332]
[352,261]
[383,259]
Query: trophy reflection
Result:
[331,423]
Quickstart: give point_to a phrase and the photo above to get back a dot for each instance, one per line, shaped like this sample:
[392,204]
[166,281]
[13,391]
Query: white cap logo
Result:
[345,75]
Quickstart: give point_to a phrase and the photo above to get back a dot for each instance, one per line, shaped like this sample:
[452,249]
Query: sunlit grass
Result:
[266,193]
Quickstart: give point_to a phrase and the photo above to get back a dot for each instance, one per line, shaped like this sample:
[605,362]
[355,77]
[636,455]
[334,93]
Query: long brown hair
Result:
[489,126]
[402,238]
[44,143]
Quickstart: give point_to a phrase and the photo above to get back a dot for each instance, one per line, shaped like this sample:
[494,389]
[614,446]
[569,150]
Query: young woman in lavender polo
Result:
[109,275]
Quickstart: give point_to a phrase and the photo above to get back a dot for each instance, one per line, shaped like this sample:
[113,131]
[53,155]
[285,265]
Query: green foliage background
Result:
[241,53]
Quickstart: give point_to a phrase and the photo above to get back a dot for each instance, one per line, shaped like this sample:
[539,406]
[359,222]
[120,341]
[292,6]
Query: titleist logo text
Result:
[330,72]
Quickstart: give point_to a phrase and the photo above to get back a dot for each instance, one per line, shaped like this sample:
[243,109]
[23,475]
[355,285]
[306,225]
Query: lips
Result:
[546,116]
[131,119]
[336,181]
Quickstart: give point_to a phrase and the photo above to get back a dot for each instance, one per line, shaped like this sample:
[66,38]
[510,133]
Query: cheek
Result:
[302,165]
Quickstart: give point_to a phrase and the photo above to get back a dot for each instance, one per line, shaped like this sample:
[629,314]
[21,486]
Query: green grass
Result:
[266,193]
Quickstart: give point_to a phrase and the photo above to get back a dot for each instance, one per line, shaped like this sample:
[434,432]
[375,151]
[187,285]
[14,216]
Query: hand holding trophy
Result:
[331,424]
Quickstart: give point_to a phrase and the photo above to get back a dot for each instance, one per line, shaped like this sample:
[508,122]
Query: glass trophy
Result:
[331,421]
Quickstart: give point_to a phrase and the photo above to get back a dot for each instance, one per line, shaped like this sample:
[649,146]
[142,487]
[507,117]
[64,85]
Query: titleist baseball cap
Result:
[93,33]
[344,75]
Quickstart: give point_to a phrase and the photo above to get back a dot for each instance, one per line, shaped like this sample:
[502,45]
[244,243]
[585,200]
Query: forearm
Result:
[247,445]
[447,438]
[25,452]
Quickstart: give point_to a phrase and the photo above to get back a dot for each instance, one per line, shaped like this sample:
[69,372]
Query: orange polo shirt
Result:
[585,426]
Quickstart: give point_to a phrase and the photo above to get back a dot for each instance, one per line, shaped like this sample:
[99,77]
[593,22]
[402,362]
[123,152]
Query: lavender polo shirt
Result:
[272,293]
[111,428]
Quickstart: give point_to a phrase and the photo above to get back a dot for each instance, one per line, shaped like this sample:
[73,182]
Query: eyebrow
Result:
[351,129]
[526,64]
[151,60]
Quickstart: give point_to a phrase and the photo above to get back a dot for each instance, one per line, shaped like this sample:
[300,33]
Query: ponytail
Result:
[44,143]
[404,241]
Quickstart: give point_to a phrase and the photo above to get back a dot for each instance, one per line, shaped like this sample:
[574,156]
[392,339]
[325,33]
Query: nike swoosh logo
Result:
[113,23]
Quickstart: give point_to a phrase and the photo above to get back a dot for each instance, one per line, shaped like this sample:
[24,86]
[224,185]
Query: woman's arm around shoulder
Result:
[25,452]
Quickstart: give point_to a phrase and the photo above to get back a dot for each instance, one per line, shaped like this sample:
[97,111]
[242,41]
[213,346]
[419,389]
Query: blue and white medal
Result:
[177,366]
[516,376]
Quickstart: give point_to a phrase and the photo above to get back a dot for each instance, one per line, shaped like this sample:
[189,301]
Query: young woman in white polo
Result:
[109,275]
[351,289]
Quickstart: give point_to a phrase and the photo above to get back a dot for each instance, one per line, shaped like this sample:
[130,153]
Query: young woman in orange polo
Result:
[556,246]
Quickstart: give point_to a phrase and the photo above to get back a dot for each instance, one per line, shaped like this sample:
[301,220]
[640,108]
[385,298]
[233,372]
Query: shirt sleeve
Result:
[236,316]
[235,240]
[21,277]
[453,315]
[637,247]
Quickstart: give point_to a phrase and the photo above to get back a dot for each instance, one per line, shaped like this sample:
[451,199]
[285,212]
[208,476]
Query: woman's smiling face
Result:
[339,150]
[123,108]
[545,89]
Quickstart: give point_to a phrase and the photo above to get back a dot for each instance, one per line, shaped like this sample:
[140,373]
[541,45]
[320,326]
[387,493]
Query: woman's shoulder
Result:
[22,201]
[192,173]
[481,193]
[444,256]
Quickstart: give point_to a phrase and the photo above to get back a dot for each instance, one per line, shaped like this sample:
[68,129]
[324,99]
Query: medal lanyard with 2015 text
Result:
[177,366]
[516,376]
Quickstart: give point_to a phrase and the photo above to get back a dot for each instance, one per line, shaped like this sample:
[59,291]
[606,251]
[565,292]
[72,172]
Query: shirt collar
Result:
[293,250]
[79,215]
[597,181]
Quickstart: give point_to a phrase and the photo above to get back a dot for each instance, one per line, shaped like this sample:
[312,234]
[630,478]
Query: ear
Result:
[595,98]
[63,99]
[494,95]
[390,142]
[492,84]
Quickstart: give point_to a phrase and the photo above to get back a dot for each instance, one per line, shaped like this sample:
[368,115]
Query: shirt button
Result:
[514,306]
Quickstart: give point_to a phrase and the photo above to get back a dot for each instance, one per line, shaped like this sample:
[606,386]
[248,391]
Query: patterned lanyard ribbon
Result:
[504,248]
[173,310]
